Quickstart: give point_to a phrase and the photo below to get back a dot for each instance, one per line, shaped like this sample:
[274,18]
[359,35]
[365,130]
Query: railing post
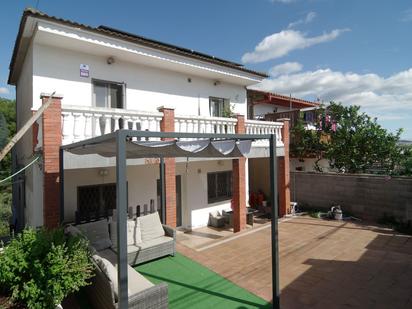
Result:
[167,124]
[239,184]
[284,172]
[52,140]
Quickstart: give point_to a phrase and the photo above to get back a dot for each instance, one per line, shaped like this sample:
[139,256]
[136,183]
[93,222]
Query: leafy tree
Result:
[39,268]
[359,142]
[352,141]
[7,130]
[7,126]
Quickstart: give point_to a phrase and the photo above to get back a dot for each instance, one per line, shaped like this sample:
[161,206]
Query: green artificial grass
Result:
[192,285]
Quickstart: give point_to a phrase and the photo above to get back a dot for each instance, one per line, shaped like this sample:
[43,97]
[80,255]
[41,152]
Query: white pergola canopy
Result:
[204,148]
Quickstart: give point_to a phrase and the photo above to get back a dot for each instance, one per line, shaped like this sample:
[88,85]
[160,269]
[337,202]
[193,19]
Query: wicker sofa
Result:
[147,239]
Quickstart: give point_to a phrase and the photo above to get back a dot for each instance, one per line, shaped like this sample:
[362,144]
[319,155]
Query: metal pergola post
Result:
[162,191]
[121,205]
[61,183]
[121,195]
[274,223]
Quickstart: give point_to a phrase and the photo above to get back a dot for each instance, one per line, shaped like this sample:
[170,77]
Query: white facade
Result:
[152,78]
[260,110]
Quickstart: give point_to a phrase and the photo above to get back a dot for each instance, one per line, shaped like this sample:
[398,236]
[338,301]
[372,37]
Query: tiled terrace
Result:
[323,264]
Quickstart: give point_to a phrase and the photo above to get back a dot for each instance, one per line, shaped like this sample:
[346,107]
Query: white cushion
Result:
[109,270]
[97,233]
[151,243]
[136,282]
[133,233]
[215,214]
[73,231]
[151,227]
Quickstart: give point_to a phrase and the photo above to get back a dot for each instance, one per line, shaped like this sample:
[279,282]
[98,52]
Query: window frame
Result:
[224,101]
[102,81]
[229,183]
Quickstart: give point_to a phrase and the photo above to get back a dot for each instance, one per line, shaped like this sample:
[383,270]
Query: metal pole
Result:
[162,190]
[274,226]
[61,176]
[121,205]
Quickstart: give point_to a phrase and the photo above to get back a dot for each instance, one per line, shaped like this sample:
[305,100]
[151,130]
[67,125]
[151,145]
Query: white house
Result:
[105,79]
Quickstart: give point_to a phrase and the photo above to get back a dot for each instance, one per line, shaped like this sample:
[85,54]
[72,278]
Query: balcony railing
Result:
[198,124]
[264,127]
[79,123]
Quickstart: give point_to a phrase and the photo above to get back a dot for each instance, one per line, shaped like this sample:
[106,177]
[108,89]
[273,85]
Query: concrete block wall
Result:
[366,196]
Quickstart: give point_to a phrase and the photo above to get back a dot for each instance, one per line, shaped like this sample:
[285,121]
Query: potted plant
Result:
[39,268]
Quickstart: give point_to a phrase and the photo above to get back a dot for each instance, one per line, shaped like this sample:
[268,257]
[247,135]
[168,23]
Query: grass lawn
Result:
[192,285]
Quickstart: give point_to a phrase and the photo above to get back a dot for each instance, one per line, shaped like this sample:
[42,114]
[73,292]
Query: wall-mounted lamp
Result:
[110,60]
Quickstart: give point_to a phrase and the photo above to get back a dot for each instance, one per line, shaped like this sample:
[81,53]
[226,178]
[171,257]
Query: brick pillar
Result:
[284,173]
[52,139]
[239,190]
[168,125]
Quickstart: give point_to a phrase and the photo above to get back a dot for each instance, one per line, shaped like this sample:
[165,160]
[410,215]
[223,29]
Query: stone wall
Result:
[365,196]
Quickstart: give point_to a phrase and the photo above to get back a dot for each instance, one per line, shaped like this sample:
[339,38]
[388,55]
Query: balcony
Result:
[80,123]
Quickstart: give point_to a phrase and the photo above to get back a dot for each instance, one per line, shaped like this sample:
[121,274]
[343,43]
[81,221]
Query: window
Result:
[219,107]
[107,94]
[219,186]
[96,198]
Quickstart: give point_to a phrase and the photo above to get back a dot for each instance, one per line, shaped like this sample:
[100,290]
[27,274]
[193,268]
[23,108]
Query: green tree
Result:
[352,141]
[7,130]
[7,126]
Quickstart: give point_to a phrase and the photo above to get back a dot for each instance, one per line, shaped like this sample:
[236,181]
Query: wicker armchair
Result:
[216,219]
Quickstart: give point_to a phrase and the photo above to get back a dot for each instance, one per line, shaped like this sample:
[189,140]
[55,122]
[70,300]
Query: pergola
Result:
[128,144]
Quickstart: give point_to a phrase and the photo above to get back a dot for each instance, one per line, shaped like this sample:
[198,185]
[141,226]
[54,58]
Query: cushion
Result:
[97,233]
[73,231]
[109,270]
[133,233]
[215,214]
[136,282]
[151,227]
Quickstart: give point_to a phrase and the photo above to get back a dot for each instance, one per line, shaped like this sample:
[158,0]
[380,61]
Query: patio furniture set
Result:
[220,219]
[147,239]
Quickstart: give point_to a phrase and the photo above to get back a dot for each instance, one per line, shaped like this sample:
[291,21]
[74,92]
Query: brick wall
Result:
[51,144]
[365,196]
[239,190]
[284,172]
[168,125]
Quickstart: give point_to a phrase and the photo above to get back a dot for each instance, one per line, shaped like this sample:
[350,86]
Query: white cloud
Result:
[281,43]
[4,90]
[386,98]
[285,68]
[407,16]
[308,18]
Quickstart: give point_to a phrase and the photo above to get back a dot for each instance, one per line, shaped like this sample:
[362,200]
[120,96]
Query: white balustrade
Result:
[264,127]
[80,123]
[199,124]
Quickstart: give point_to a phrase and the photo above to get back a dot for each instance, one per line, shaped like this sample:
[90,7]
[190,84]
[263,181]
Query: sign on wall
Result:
[84,70]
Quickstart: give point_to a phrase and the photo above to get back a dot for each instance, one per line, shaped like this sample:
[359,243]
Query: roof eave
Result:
[167,47]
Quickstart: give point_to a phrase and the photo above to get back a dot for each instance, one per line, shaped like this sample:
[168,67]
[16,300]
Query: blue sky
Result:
[356,52]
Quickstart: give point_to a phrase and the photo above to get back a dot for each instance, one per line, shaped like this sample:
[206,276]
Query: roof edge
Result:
[125,36]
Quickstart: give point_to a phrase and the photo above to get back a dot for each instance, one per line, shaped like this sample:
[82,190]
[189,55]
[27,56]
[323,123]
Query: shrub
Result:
[39,268]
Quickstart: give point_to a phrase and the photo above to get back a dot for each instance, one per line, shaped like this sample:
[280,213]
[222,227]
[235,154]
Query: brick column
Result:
[168,125]
[52,139]
[284,173]
[238,180]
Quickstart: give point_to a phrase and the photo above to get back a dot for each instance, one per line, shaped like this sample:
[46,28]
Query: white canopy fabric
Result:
[169,149]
